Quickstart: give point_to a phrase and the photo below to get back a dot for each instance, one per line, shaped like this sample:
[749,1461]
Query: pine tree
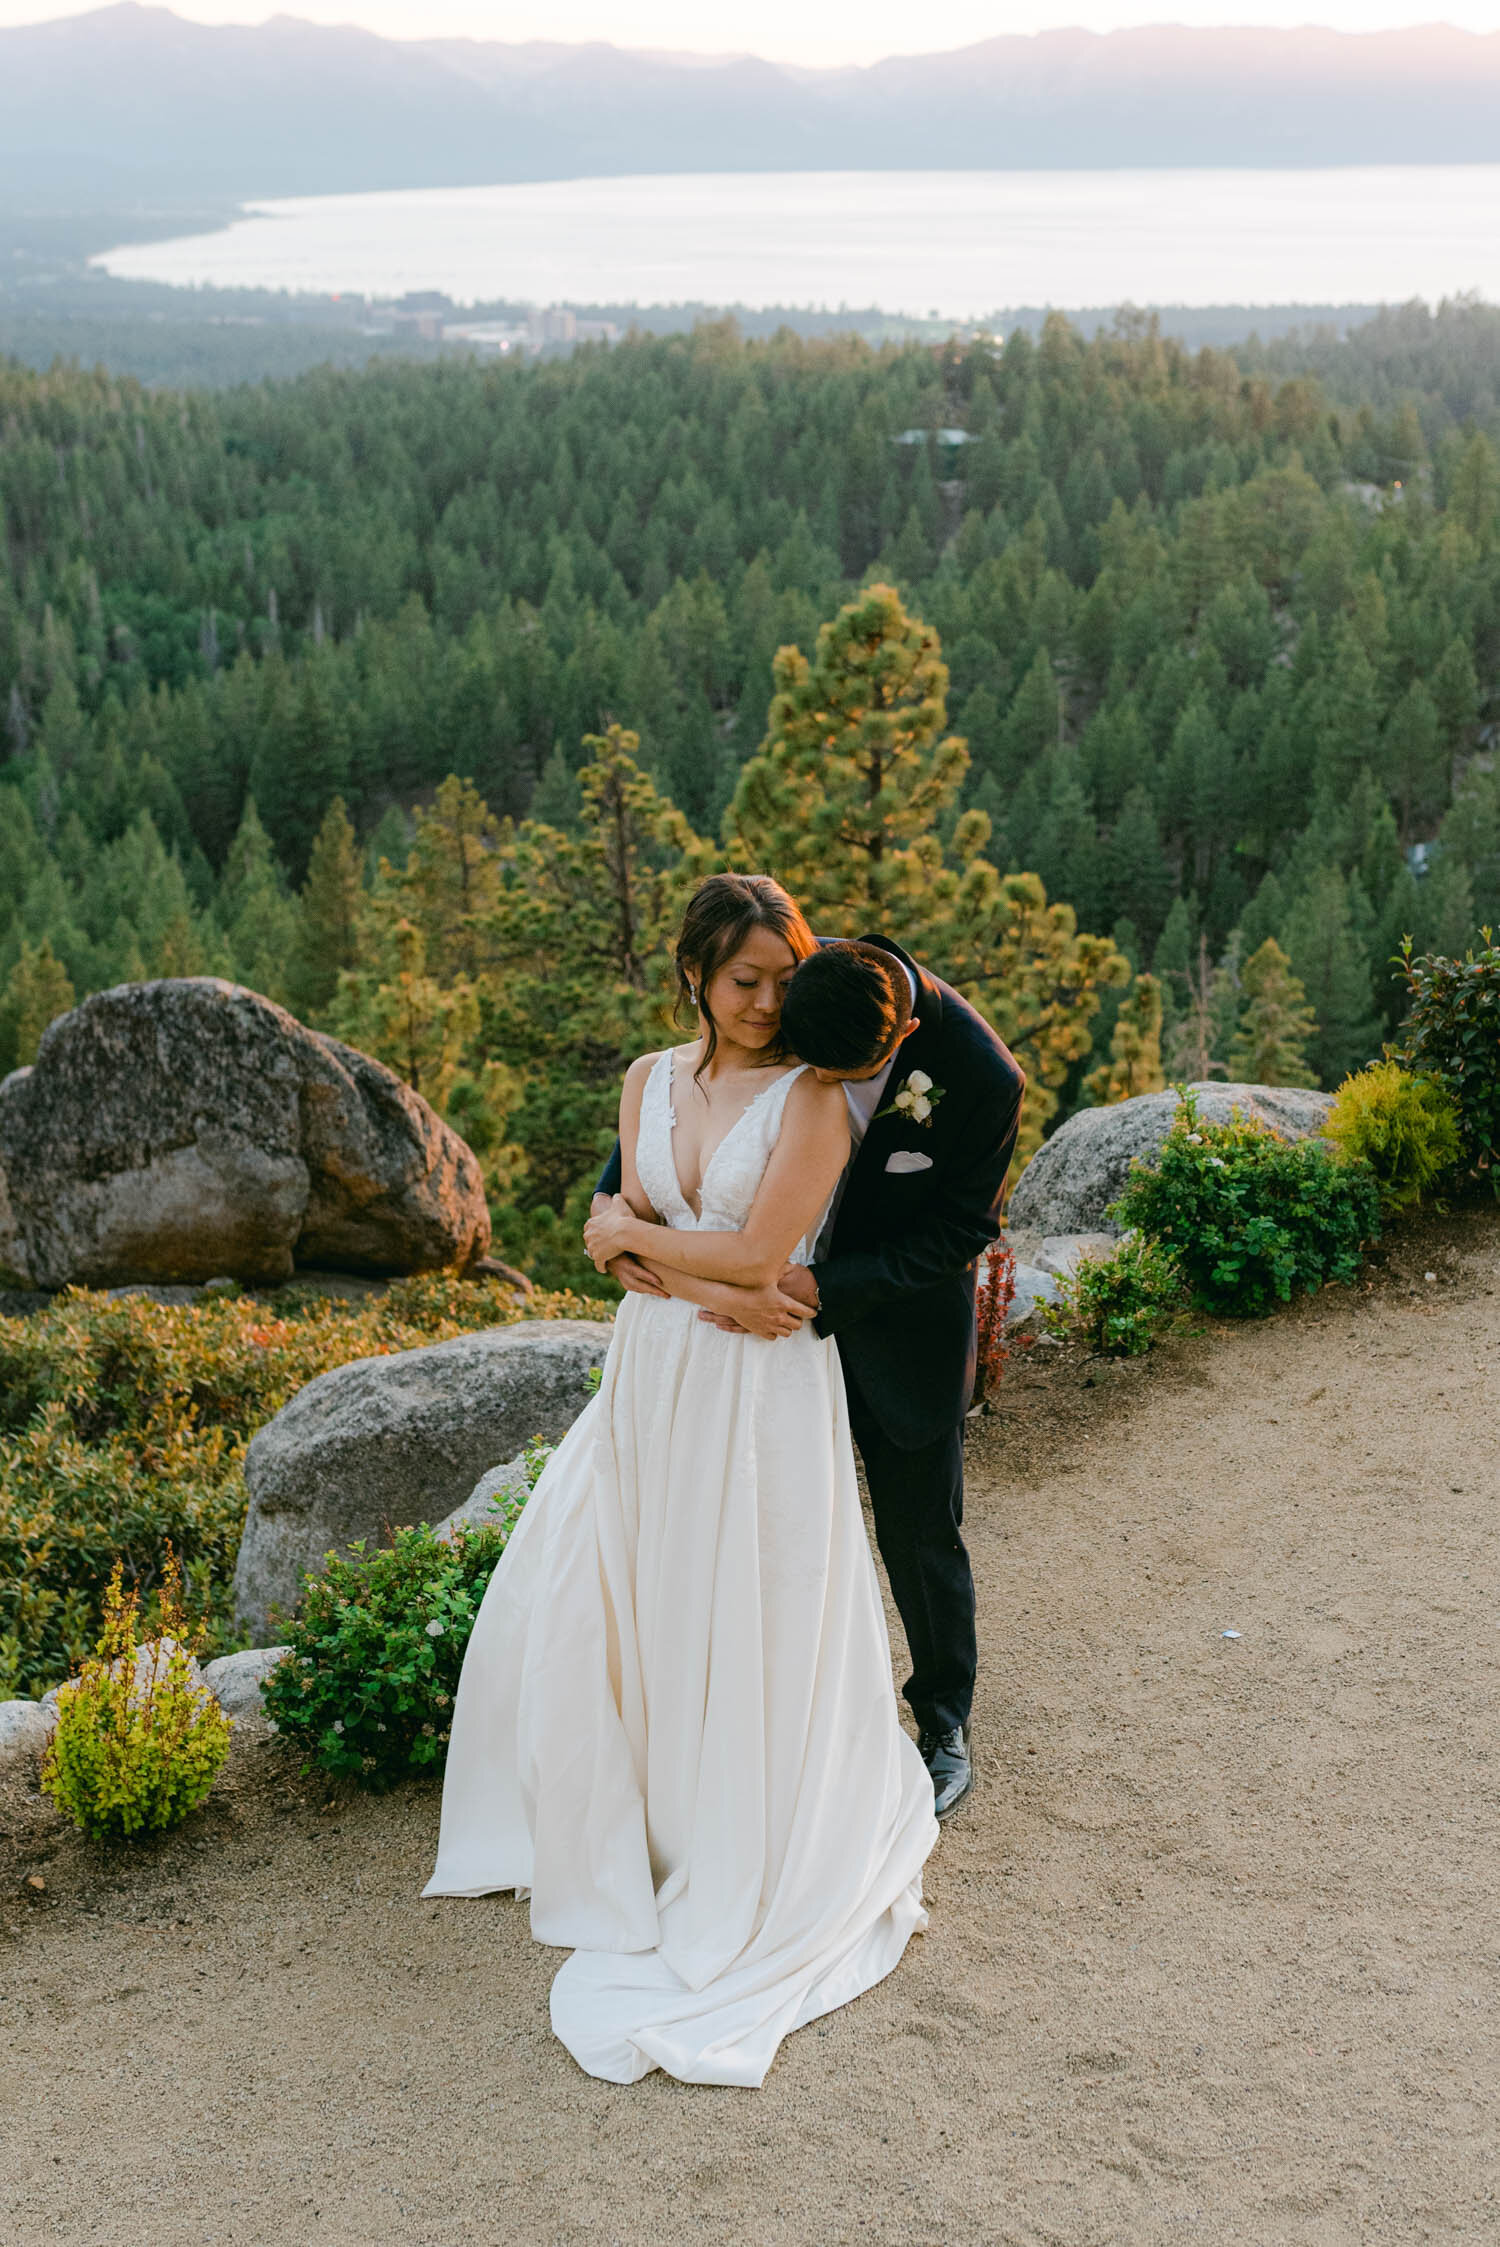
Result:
[1137,878]
[1204,1015]
[328,909]
[1416,765]
[842,800]
[1134,1064]
[556,801]
[1031,971]
[301,761]
[1349,720]
[38,991]
[1454,687]
[391,1007]
[1474,493]
[1471,834]
[578,943]
[1034,722]
[1446,920]
[1276,1024]
[843,803]
[451,880]
[1334,971]
[1066,849]
[1264,914]
[257,917]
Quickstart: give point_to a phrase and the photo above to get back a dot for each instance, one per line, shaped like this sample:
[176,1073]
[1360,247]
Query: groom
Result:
[934,1102]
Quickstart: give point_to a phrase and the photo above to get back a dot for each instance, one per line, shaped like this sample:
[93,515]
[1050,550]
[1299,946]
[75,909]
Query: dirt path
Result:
[1213,1949]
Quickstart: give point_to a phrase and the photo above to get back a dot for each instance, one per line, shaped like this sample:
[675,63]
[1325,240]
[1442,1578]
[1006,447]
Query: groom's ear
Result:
[914,1024]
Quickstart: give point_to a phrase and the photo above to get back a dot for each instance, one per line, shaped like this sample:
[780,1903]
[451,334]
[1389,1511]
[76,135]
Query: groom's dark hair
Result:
[846,1007]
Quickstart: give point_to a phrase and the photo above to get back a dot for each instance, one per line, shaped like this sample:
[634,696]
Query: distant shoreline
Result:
[930,249]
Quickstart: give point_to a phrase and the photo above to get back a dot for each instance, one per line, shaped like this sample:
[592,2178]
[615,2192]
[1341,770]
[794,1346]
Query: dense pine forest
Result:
[413,696]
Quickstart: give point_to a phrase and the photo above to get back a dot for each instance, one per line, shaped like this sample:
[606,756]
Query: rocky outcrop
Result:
[502,1486]
[237,1682]
[25,1729]
[1069,1183]
[1062,1253]
[390,1440]
[178,1131]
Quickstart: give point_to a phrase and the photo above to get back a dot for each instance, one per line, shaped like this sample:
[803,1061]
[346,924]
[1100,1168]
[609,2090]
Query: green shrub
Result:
[1405,1127]
[135,1748]
[1452,1032]
[123,1425]
[1250,1218]
[1120,1305]
[376,1646]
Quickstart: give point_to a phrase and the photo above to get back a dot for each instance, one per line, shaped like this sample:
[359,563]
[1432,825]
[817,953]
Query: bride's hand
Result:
[763,1311]
[610,1232]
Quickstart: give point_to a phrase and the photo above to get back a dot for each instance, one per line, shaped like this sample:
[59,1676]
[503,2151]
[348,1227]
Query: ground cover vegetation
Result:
[123,1426]
[1251,1219]
[138,1742]
[376,1647]
[417,697]
[1121,1306]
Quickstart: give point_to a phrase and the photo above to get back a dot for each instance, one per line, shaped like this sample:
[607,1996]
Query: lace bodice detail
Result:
[735,1168]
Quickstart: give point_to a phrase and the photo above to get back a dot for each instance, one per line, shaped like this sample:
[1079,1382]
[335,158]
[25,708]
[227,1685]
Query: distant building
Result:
[501,337]
[420,312]
[552,323]
[949,443]
[556,323]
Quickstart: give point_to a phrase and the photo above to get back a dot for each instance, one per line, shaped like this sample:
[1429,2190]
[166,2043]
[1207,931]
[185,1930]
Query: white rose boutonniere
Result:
[915,1100]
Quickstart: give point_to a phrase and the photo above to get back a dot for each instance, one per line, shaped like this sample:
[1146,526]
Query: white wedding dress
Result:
[676,1724]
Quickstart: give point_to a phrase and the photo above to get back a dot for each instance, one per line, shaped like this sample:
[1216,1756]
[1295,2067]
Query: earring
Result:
[692,994]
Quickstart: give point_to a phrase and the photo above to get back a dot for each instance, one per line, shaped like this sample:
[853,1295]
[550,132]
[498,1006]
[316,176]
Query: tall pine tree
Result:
[1270,1046]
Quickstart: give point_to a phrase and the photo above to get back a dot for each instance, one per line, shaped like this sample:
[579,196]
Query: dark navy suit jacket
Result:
[897,1283]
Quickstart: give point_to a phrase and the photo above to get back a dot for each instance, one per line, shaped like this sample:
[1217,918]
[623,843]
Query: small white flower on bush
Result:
[434,1628]
[1195,1139]
[1216,1162]
[338,1724]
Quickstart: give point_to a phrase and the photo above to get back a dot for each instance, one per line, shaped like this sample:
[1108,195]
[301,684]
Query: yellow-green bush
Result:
[123,1425]
[135,1749]
[1406,1127]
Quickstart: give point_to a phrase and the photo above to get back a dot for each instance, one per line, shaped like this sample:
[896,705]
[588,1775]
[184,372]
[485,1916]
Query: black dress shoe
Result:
[946,1755]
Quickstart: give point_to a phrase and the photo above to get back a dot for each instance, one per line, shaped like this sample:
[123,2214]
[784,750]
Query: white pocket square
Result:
[905,1159]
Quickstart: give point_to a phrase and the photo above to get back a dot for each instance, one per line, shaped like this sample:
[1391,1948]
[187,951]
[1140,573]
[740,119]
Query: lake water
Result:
[957,244]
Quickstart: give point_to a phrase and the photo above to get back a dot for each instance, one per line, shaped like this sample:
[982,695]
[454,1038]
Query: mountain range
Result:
[132,103]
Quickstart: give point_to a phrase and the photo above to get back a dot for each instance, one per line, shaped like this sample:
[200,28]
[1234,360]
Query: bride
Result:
[676,1725]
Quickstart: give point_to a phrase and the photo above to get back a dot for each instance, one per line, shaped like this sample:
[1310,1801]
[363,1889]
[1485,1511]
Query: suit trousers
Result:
[918,1501]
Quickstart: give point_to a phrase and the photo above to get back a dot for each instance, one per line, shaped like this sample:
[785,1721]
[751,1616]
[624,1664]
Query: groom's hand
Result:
[635,1277]
[798,1282]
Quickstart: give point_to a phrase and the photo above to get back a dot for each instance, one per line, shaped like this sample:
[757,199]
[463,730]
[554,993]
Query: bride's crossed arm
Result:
[758,1310]
[803,1169]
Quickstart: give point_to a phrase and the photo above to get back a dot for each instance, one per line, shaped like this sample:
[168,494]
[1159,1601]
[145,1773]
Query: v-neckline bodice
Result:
[670,1057]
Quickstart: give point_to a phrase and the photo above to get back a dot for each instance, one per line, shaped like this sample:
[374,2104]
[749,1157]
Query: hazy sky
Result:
[808,31]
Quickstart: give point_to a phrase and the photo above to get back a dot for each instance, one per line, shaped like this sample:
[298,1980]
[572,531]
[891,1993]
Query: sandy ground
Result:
[1212,1950]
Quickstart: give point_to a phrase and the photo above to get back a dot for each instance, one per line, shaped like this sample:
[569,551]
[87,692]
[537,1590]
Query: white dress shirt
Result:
[864,1097]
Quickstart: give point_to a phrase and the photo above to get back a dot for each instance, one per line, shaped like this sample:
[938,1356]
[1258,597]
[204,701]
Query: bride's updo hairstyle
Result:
[724,910]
